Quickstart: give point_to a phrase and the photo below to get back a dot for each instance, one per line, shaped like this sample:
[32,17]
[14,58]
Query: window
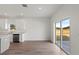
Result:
[62,33]
[66,34]
[58,33]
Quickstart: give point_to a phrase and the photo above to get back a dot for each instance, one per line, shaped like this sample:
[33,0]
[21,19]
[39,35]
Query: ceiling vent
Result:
[24,5]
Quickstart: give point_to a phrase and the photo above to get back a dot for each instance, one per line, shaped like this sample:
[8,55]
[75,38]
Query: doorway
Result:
[58,34]
[62,34]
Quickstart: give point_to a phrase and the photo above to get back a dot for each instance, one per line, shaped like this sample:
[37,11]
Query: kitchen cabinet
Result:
[4,43]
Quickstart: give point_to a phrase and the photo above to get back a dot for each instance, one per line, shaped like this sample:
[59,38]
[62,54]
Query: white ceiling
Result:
[15,10]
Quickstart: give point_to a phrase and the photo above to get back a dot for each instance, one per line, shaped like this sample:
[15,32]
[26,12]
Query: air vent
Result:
[24,5]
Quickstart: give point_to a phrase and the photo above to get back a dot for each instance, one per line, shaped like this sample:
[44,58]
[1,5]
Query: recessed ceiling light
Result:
[40,8]
[24,5]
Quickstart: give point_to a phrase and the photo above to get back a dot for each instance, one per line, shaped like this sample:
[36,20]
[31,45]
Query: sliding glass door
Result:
[65,35]
[62,33]
[58,34]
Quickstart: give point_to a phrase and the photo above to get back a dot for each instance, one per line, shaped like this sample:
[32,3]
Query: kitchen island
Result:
[4,41]
[7,37]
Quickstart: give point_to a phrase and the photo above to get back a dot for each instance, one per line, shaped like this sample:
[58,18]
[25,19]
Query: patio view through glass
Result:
[63,34]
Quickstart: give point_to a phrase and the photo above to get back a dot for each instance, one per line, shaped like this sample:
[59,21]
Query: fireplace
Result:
[16,38]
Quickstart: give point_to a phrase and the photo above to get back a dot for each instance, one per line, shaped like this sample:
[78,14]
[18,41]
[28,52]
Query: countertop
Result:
[4,34]
[18,32]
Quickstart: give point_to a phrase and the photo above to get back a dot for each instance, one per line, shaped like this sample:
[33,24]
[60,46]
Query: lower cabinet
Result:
[4,43]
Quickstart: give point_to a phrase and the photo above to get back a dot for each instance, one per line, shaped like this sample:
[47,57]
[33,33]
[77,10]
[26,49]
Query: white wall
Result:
[73,12]
[35,28]
[2,24]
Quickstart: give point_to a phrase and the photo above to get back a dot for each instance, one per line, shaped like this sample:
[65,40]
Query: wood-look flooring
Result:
[33,48]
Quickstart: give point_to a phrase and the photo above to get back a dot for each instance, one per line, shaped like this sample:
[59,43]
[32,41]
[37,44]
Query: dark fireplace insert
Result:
[16,38]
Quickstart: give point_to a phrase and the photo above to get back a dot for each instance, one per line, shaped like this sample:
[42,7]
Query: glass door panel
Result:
[65,35]
[58,34]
